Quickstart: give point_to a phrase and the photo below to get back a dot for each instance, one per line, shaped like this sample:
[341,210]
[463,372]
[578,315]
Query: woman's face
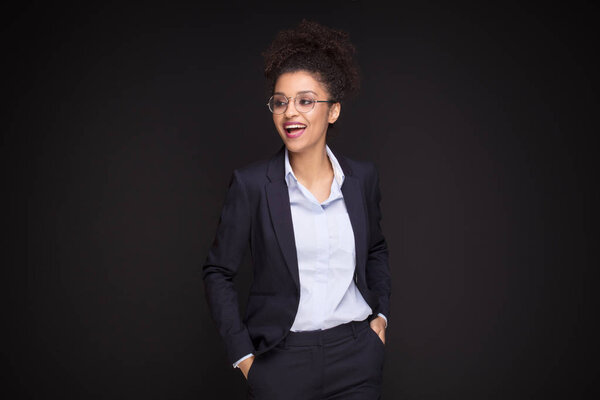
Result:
[314,123]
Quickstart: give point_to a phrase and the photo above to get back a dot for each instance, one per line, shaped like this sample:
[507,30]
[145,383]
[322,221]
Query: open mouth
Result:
[294,129]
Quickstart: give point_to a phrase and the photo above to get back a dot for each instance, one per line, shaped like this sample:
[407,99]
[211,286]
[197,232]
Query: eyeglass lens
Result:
[303,103]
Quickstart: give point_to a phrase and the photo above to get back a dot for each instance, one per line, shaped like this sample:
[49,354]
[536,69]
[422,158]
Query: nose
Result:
[291,111]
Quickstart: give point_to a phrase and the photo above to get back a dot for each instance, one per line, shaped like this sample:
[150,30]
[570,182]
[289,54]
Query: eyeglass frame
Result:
[294,97]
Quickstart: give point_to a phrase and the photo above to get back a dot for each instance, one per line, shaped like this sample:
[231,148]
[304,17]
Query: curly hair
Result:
[325,52]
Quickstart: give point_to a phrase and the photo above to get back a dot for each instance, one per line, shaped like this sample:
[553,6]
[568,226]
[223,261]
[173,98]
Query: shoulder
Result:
[253,171]
[252,176]
[364,170]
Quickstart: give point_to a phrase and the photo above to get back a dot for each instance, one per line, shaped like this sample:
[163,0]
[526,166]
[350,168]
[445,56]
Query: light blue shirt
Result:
[326,256]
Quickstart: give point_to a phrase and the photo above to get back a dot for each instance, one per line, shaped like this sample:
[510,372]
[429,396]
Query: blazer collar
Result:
[278,201]
[276,167]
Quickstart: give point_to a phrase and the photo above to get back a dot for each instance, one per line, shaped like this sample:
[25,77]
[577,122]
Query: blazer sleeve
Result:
[224,257]
[377,268]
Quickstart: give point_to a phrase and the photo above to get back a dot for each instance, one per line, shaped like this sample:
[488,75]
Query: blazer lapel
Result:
[355,205]
[281,215]
[278,199]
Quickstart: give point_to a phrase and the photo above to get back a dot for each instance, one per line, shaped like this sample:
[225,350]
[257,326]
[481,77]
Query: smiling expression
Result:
[302,131]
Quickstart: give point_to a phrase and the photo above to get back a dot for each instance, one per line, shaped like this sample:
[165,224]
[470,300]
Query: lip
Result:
[295,135]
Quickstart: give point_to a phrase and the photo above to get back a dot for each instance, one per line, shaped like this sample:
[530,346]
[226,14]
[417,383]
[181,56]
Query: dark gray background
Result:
[124,123]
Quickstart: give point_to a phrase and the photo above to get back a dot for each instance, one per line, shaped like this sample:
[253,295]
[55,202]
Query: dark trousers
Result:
[344,362]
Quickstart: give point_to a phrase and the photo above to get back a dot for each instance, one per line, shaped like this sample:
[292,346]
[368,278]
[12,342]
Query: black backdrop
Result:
[123,124]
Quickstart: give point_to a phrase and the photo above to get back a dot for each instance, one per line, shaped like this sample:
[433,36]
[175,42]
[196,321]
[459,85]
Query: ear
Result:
[334,112]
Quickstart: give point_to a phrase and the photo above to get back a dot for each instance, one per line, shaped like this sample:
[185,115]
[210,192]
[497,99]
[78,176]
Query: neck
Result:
[311,165]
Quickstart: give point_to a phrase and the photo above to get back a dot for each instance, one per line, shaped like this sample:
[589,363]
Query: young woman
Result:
[317,311]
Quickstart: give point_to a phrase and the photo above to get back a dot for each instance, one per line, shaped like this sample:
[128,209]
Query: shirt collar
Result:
[338,173]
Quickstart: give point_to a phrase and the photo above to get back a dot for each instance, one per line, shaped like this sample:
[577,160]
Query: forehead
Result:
[292,83]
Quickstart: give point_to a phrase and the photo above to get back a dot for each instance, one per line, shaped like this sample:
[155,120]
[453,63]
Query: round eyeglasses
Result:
[304,103]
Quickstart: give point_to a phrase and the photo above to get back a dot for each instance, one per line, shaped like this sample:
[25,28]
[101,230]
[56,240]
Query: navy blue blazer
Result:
[256,213]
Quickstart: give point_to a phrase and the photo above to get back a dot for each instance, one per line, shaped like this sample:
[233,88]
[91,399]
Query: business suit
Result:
[257,212]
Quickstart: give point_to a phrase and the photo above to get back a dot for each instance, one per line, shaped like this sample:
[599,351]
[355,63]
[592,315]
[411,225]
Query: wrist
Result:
[384,318]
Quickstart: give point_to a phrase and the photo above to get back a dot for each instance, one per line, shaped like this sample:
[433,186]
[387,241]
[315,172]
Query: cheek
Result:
[321,119]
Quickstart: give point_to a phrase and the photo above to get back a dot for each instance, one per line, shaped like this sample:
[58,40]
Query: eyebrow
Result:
[301,92]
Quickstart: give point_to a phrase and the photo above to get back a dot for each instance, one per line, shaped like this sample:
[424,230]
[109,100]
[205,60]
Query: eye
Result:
[305,101]
[279,101]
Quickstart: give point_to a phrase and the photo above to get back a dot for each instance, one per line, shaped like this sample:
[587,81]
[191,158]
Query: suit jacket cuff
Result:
[238,346]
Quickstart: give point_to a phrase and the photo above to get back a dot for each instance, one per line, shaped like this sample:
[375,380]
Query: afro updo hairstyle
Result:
[326,53]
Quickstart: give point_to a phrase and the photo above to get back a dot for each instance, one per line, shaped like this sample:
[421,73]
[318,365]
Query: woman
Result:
[319,301]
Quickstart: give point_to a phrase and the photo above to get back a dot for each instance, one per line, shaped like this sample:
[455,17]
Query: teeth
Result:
[295,126]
